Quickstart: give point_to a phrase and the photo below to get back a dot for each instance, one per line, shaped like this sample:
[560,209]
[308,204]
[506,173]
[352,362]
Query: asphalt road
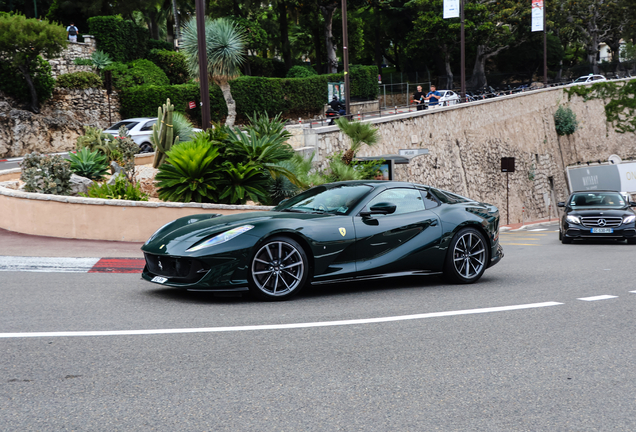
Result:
[557,364]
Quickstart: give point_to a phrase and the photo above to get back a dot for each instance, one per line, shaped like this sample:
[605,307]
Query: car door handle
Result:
[434,223]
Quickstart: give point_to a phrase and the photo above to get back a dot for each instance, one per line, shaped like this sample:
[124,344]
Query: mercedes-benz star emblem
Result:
[602,222]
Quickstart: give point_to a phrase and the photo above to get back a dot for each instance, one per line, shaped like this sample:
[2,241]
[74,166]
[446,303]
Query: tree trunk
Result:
[378,48]
[229,101]
[175,12]
[478,78]
[447,67]
[284,33]
[34,106]
[332,60]
[317,40]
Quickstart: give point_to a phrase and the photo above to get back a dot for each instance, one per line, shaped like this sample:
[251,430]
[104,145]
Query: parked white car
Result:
[589,78]
[140,130]
[449,97]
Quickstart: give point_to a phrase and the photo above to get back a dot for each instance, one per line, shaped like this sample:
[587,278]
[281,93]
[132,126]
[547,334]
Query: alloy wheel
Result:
[469,255]
[278,268]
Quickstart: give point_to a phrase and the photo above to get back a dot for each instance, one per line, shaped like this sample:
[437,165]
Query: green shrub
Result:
[191,172]
[122,189]
[242,181]
[154,44]
[90,164]
[301,72]
[13,84]
[172,63]
[83,62]
[47,174]
[122,40]
[364,82]
[565,121]
[79,80]
[136,73]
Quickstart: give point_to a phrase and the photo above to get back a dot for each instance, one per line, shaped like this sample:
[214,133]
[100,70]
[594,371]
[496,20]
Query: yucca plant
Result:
[226,44]
[359,133]
[190,173]
[182,127]
[90,164]
[243,181]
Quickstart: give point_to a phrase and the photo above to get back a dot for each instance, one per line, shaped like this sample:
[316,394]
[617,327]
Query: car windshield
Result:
[129,125]
[597,199]
[338,199]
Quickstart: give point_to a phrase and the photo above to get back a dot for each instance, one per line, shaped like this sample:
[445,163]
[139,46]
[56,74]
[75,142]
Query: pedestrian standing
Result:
[418,98]
[433,97]
[71,32]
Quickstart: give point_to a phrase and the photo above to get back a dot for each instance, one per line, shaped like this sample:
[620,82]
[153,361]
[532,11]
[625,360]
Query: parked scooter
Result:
[331,115]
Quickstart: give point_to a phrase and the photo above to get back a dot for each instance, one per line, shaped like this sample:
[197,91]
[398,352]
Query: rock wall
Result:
[64,62]
[466,144]
[61,121]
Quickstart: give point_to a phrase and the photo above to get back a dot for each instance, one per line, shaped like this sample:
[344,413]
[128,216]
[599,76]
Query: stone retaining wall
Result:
[64,63]
[61,121]
[466,144]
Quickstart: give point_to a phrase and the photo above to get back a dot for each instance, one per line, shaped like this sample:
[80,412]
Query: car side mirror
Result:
[380,208]
[561,204]
[632,204]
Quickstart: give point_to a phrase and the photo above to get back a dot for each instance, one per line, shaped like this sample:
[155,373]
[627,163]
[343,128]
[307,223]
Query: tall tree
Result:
[23,39]
[225,44]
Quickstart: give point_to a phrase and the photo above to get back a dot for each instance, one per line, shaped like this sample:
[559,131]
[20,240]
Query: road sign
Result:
[192,105]
[409,153]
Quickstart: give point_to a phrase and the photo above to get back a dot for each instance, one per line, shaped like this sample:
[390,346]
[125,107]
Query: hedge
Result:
[293,97]
[136,73]
[79,80]
[123,40]
[172,63]
[159,44]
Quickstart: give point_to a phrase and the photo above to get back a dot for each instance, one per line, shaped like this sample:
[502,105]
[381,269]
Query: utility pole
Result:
[345,56]
[204,87]
[545,48]
[462,54]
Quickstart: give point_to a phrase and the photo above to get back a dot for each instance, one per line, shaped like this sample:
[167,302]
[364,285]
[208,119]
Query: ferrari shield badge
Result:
[343,231]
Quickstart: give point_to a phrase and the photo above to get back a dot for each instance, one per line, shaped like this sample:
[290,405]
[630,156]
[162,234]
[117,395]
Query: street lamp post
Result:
[345,56]
[204,87]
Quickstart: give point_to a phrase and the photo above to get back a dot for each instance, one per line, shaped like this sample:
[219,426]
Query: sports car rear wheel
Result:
[278,270]
[467,256]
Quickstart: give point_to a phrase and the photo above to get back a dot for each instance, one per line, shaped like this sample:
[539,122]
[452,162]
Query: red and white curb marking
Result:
[71,265]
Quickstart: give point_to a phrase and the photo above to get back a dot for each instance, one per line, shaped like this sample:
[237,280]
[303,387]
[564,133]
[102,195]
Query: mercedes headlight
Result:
[221,238]
[573,219]
[629,219]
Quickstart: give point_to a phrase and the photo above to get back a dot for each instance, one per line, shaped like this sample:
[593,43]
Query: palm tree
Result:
[225,42]
[359,133]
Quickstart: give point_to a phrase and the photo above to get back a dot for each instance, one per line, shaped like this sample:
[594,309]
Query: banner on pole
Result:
[537,15]
[451,9]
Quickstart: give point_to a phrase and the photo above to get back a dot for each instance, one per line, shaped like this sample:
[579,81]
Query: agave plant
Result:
[359,133]
[226,44]
[191,172]
[100,60]
[242,181]
[90,164]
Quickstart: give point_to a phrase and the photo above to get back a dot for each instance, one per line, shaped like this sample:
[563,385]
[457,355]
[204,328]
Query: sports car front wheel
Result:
[278,270]
[467,255]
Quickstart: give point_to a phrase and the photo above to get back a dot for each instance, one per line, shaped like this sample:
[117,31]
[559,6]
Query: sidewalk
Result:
[516,226]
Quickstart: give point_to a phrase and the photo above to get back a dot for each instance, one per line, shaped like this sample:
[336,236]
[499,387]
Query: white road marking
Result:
[278,326]
[39,264]
[539,229]
[634,292]
[601,297]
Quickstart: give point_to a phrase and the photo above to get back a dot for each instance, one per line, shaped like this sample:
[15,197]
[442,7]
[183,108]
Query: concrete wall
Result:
[466,144]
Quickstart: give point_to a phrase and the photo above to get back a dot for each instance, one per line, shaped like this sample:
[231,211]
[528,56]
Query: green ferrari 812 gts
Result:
[330,233]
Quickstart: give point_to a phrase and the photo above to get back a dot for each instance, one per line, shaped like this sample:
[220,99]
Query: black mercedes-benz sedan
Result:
[598,214]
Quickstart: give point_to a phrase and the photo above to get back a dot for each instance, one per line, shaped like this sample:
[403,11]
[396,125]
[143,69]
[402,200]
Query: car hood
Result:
[602,211]
[192,229]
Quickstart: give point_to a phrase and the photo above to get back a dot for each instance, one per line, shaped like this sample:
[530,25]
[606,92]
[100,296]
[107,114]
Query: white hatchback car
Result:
[140,130]
[589,78]
[449,97]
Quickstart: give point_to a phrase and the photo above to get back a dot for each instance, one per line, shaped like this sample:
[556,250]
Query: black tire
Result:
[566,240]
[467,257]
[560,235]
[146,148]
[631,240]
[278,269]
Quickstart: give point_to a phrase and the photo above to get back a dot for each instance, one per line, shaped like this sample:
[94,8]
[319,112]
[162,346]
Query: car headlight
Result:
[221,238]
[629,219]
[573,219]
